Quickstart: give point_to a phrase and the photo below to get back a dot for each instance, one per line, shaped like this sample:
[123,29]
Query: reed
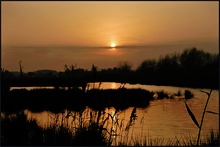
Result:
[57,135]
[100,128]
[203,115]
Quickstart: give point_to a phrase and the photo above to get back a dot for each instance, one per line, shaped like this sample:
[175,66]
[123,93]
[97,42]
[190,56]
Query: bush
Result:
[188,94]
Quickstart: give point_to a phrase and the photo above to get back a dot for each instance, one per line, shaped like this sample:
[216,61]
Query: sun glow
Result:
[113,45]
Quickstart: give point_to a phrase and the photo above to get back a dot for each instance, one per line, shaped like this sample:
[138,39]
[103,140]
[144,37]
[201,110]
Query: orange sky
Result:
[59,24]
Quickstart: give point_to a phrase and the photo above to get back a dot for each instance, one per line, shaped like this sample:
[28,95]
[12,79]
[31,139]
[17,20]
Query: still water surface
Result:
[167,118]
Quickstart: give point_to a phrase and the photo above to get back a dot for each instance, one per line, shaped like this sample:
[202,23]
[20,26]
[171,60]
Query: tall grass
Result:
[100,128]
[212,139]
[19,130]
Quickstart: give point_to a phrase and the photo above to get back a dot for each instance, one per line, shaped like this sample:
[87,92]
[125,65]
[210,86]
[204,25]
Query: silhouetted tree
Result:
[69,70]
[181,69]
[94,73]
[147,66]
[193,59]
[168,68]
[2,72]
[21,67]
[124,72]
[124,67]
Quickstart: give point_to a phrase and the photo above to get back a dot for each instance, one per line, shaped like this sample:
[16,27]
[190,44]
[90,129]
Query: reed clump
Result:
[18,130]
[90,135]
[179,94]
[212,139]
[188,94]
[100,128]
[162,94]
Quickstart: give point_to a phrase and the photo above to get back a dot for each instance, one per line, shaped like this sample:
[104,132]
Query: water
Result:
[167,118]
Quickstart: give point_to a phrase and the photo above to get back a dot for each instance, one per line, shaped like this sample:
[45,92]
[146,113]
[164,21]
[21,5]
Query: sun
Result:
[113,45]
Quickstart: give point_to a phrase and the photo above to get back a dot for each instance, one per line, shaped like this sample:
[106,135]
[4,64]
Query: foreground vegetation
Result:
[99,129]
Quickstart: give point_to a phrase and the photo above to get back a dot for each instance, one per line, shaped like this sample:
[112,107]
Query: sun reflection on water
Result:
[113,85]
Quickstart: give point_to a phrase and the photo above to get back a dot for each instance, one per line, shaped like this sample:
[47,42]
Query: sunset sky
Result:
[40,33]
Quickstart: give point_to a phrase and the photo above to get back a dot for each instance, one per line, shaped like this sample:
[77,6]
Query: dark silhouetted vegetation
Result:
[211,140]
[21,69]
[18,130]
[76,99]
[99,130]
[191,68]
[188,94]
[162,94]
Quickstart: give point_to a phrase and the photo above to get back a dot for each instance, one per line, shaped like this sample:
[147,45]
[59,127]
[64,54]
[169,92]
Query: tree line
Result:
[191,68]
